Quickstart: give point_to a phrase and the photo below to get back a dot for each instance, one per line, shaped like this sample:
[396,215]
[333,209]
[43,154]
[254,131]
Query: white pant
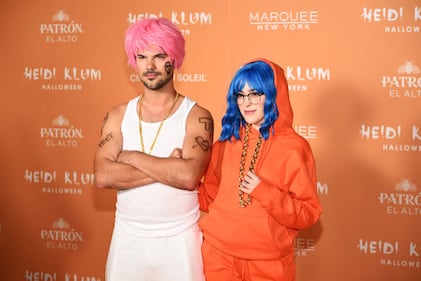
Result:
[177,258]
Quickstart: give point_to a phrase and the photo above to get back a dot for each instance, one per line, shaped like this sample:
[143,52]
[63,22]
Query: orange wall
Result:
[355,83]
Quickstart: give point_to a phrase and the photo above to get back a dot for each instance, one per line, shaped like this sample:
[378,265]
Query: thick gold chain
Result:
[244,202]
[160,125]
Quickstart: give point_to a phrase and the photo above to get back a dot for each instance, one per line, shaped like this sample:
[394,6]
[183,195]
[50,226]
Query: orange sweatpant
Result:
[220,266]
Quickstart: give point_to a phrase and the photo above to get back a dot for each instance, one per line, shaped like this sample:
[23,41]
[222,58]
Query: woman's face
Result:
[251,104]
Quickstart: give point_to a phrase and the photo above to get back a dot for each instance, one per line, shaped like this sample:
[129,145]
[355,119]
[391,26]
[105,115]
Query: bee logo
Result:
[60,223]
[61,16]
[405,185]
[61,121]
[408,68]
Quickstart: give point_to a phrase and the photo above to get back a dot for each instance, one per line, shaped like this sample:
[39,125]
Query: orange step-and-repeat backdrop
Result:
[354,76]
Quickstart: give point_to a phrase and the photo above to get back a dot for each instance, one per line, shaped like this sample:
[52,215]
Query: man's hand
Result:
[177,153]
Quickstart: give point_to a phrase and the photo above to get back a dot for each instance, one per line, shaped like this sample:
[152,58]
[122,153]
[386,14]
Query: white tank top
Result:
[155,210]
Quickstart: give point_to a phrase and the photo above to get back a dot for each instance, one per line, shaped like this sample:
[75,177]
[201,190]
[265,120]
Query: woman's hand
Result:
[250,182]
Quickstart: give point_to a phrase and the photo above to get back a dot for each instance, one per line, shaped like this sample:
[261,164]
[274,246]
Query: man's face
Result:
[154,68]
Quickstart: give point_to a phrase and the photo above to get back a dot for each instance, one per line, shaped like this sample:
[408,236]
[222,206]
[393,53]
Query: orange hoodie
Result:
[285,200]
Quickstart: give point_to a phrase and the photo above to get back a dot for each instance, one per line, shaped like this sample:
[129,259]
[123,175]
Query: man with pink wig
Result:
[154,150]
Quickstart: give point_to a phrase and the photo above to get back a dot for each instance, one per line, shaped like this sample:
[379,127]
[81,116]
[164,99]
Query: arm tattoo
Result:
[107,138]
[208,124]
[103,122]
[204,144]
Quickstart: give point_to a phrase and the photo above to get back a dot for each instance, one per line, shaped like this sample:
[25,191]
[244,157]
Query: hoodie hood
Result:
[284,122]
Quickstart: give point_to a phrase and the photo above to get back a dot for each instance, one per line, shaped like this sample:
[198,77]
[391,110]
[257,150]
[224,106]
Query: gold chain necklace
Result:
[160,125]
[244,202]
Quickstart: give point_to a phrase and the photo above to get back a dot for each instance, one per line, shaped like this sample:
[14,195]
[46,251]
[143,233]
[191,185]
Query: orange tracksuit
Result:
[257,242]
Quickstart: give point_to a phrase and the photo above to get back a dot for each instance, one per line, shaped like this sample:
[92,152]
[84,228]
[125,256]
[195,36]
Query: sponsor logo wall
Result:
[354,76]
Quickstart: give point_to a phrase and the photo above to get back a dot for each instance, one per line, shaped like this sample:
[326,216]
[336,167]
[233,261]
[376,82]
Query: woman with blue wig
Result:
[260,187]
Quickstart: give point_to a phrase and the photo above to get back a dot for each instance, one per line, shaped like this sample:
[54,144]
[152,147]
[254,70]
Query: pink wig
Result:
[154,33]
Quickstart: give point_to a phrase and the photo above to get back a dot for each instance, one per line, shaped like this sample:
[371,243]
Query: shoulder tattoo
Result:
[204,142]
[208,124]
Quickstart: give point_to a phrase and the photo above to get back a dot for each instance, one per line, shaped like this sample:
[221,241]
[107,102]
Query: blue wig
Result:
[259,76]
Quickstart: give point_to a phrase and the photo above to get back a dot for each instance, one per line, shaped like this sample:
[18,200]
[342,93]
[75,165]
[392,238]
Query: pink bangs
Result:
[155,34]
